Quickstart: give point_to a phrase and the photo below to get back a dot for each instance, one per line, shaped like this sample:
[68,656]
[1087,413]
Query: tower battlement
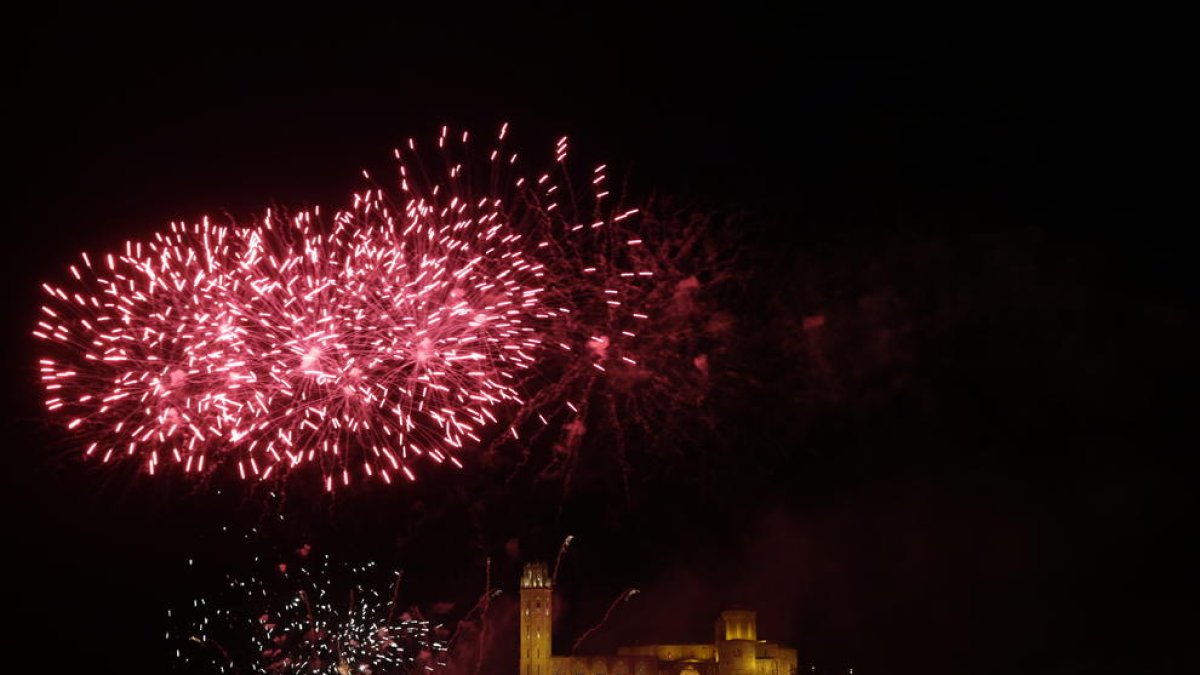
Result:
[535,576]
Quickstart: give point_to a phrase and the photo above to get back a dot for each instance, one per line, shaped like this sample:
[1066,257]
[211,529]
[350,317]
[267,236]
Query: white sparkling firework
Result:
[297,620]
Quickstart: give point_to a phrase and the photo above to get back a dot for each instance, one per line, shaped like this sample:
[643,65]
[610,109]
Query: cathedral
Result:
[735,649]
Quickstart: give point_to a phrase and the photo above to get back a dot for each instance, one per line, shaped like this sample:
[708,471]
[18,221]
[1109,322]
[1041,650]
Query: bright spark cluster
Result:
[396,330]
[297,619]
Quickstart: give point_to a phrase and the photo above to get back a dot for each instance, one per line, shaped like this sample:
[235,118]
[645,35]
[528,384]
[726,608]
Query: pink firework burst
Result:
[402,328]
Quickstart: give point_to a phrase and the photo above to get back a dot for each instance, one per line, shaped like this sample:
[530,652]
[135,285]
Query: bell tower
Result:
[736,642]
[536,599]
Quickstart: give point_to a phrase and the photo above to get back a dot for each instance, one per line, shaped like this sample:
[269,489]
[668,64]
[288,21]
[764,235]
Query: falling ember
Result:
[405,327]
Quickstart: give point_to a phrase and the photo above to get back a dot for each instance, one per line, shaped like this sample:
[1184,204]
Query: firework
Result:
[306,618]
[655,333]
[403,328]
[623,597]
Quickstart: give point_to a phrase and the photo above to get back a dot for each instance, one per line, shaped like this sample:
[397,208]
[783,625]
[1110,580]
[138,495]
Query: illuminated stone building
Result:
[735,649]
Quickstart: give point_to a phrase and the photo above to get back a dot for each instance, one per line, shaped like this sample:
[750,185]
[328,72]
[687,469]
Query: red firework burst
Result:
[642,376]
[398,329]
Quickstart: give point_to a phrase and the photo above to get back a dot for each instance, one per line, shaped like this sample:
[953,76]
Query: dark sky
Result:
[983,465]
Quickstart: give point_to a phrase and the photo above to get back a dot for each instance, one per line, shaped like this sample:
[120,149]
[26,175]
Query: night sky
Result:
[980,462]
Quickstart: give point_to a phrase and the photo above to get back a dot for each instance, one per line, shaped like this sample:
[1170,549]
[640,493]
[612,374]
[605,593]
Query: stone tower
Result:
[535,620]
[736,642]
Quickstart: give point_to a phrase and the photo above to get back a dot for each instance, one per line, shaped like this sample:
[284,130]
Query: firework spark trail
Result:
[395,595]
[486,601]
[626,595]
[301,622]
[476,618]
[562,551]
[393,331]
